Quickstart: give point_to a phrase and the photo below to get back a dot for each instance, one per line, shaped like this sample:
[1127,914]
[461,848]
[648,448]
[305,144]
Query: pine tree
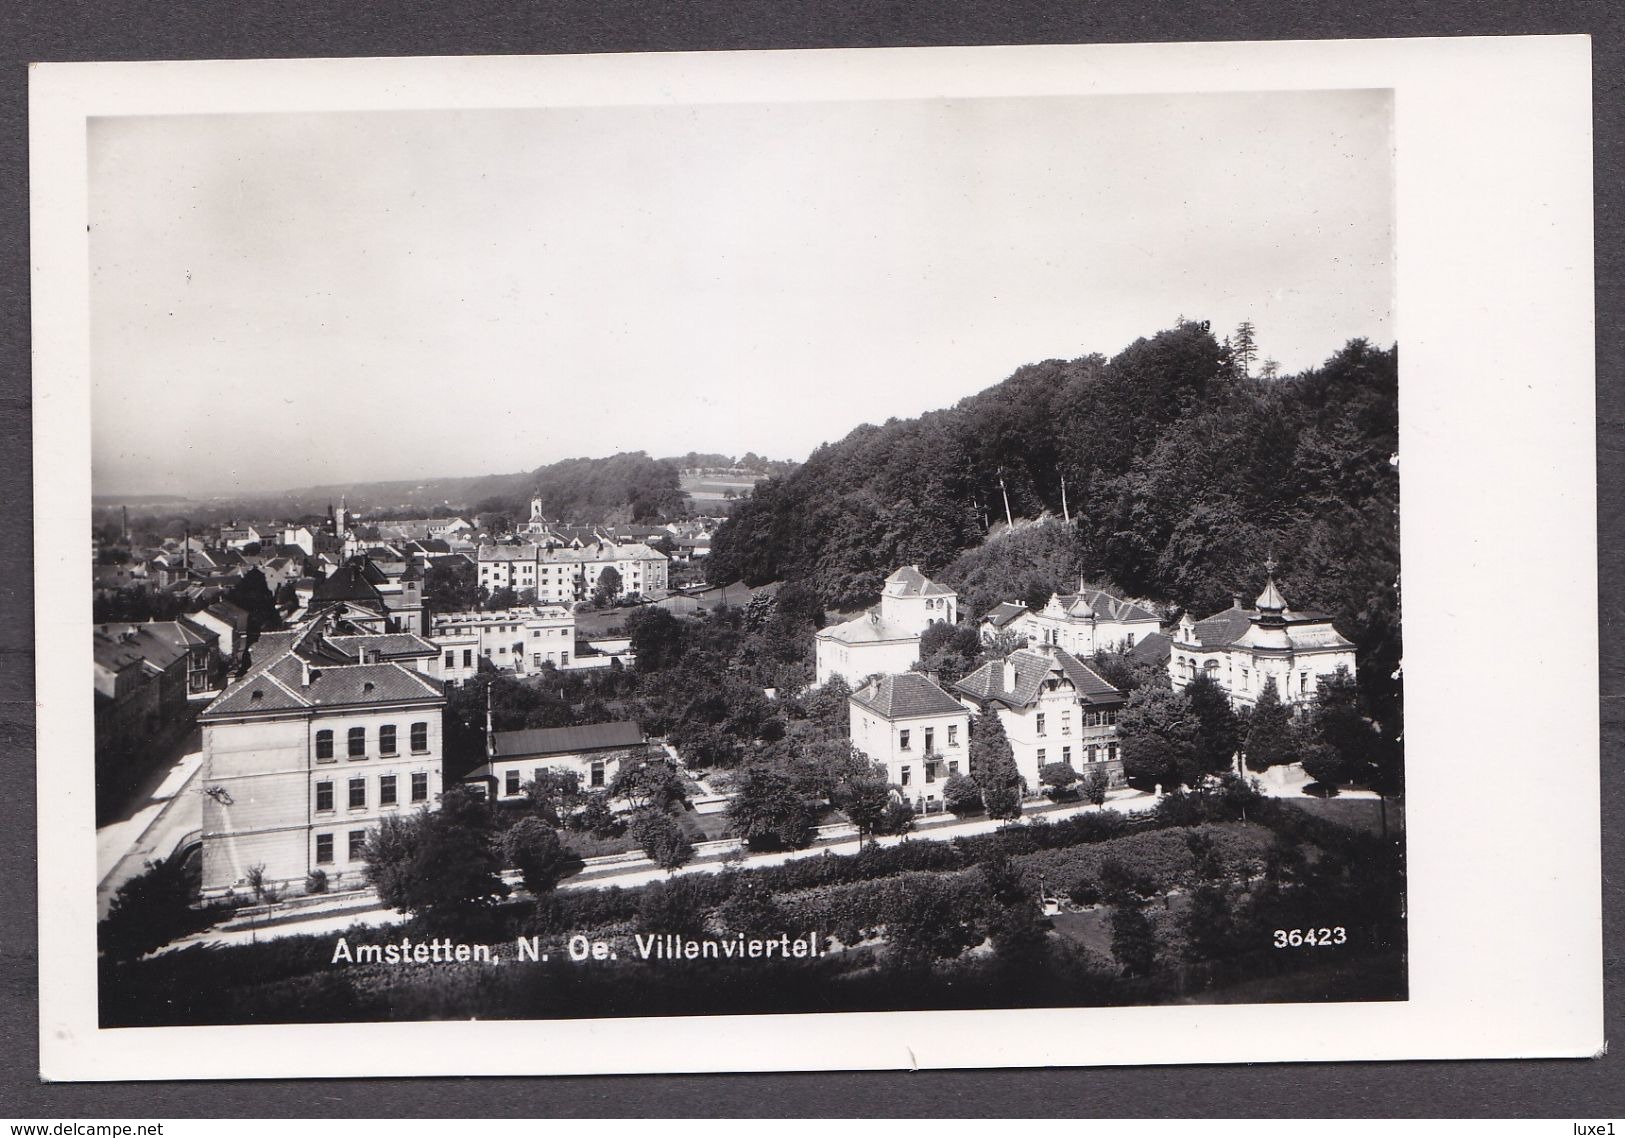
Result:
[1244,348]
[993,766]
[1269,731]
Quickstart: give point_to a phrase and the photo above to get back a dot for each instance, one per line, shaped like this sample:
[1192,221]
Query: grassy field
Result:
[1356,813]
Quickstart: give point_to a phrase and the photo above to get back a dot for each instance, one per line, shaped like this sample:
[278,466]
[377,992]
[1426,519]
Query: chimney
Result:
[1008,679]
[1235,600]
[305,673]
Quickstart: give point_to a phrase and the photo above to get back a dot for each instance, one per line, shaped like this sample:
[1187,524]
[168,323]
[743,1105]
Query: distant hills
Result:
[621,487]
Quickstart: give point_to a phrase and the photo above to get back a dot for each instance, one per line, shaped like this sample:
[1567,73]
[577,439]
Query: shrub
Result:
[316,881]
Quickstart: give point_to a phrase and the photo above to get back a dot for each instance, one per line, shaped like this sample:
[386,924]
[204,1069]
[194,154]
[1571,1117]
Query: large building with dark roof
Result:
[1244,649]
[913,728]
[321,736]
[1055,709]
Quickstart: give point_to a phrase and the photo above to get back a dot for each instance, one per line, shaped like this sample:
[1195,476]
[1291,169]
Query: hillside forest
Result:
[1172,475]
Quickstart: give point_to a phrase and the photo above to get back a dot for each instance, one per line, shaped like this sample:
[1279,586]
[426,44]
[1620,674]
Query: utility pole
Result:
[1008,520]
[1065,511]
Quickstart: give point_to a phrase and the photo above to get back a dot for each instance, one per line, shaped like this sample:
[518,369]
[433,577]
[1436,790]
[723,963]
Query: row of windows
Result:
[356,741]
[356,791]
[511,785]
[903,738]
[1093,753]
[1090,719]
[357,850]
[905,774]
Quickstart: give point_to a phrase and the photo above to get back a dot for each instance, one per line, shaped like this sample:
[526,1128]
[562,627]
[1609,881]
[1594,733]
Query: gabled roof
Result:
[304,670]
[904,696]
[1153,646]
[1224,627]
[347,583]
[1105,606]
[910,582]
[1003,613]
[538,742]
[1032,668]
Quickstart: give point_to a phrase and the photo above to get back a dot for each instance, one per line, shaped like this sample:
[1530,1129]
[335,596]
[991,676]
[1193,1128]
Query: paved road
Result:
[170,807]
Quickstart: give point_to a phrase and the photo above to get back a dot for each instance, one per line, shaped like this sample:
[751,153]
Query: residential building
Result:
[521,640]
[1054,708]
[917,731]
[568,574]
[1242,648]
[321,737]
[1085,622]
[595,753]
[885,640]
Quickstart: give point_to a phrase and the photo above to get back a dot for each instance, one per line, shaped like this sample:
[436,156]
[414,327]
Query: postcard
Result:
[816,559]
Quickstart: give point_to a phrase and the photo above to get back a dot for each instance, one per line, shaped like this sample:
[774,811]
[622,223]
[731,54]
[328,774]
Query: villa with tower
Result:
[886,639]
[1243,648]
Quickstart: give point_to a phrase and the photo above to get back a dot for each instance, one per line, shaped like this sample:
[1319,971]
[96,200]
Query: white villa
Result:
[886,639]
[1241,648]
[1083,623]
[521,640]
[1055,709]
[917,731]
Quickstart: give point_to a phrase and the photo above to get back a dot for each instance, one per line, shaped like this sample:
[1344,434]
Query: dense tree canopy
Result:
[1181,477]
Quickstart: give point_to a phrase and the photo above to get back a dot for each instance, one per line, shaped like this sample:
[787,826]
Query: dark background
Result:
[72,30]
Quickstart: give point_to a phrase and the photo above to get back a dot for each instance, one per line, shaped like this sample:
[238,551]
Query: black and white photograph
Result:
[784,551]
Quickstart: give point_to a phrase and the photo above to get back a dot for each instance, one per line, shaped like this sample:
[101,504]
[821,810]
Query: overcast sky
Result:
[282,300]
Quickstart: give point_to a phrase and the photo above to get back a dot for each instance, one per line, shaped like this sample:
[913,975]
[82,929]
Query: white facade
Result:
[917,731]
[1081,623]
[566,575]
[518,640]
[1242,649]
[1054,709]
[301,759]
[886,639]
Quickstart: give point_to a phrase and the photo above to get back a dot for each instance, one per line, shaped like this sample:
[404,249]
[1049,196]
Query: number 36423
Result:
[1310,938]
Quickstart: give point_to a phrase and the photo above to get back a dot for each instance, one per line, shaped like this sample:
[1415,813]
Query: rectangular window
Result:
[358,844]
[564,659]
[953,736]
[1094,753]
[451,659]
[510,783]
[468,657]
[1066,723]
[598,772]
[386,790]
[1111,752]
[1108,717]
[358,742]
[930,772]
[420,787]
[1066,755]
[903,776]
[324,796]
[953,767]
[358,794]
[1040,722]
[386,739]
[420,737]
[1040,756]
[324,849]
[902,740]
[324,746]
[930,740]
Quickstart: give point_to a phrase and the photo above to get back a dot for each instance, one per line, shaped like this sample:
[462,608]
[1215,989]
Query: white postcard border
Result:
[1494,288]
